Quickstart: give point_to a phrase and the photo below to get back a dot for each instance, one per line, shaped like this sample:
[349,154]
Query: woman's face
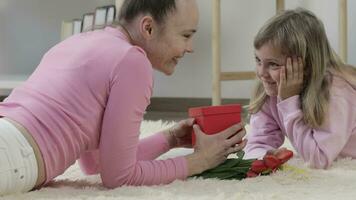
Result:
[170,44]
[269,61]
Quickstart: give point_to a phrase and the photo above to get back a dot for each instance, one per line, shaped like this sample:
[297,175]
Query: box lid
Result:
[213,110]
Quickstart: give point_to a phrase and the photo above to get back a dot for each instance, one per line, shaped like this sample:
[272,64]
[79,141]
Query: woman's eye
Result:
[257,61]
[187,36]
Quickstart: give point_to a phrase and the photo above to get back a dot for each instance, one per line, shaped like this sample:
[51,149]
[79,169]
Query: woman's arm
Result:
[89,162]
[153,146]
[130,93]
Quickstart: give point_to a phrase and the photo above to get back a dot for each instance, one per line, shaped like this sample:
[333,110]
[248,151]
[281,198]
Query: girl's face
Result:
[269,61]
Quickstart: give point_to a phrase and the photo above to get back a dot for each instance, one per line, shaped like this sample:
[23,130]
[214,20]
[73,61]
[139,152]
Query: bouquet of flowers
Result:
[239,168]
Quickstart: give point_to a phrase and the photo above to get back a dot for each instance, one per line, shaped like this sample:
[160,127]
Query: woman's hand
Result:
[212,150]
[291,78]
[180,135]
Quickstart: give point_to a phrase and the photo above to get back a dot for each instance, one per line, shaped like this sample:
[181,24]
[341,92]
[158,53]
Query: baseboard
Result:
[169,104]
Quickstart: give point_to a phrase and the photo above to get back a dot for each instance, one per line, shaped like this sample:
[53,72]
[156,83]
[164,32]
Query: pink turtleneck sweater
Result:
[86,100]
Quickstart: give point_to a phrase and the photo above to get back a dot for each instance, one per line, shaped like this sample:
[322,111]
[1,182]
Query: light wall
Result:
[241,20]
[352,32]
[28,28]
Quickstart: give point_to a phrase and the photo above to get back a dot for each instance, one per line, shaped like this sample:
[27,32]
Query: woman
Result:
[87,98]
[305,92]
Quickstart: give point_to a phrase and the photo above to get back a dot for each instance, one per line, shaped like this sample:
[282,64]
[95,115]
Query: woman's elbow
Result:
[112,182]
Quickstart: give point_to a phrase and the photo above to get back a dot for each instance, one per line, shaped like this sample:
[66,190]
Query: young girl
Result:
[305,92]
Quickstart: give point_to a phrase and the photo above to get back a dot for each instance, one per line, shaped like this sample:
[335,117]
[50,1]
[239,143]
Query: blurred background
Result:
[29,28]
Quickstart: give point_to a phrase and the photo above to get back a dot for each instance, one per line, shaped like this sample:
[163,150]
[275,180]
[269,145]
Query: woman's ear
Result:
[147,27]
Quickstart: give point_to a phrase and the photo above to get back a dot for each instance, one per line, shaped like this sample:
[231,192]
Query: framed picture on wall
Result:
[88,22]
[77,26]
[66,29]
[111,14]
[100,17]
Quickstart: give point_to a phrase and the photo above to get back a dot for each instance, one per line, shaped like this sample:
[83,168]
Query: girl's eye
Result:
[274,66]
[187,36]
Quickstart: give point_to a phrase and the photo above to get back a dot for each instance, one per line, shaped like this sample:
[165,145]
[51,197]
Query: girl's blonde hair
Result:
[299,32]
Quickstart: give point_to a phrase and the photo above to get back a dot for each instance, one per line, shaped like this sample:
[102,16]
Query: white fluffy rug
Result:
[299,182]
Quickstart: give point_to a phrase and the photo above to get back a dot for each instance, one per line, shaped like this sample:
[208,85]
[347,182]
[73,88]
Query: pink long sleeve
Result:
[86,100]
[149,148]
[265,133]
[120,131]
[317,146]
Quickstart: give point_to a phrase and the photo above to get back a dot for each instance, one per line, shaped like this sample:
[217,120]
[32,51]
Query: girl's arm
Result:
[320,146]
[265,133]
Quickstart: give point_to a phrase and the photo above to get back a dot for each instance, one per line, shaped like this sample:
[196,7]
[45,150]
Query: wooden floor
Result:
[171,109]
[175,109]
[177,116]
[165,116]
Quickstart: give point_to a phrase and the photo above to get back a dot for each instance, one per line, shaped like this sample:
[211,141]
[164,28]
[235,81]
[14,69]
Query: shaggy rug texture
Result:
[296,182]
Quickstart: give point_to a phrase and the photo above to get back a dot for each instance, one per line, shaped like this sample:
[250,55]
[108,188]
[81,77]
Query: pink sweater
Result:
[317,146]
[86,100]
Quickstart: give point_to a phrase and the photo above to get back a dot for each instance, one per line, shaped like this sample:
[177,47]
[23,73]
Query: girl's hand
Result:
[180,135]
[291,78]
[282,154]
[276,151]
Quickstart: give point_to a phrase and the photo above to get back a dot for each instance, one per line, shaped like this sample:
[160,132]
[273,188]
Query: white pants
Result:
[18,165]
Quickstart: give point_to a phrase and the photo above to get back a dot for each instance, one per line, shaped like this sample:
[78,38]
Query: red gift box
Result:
[213,119]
